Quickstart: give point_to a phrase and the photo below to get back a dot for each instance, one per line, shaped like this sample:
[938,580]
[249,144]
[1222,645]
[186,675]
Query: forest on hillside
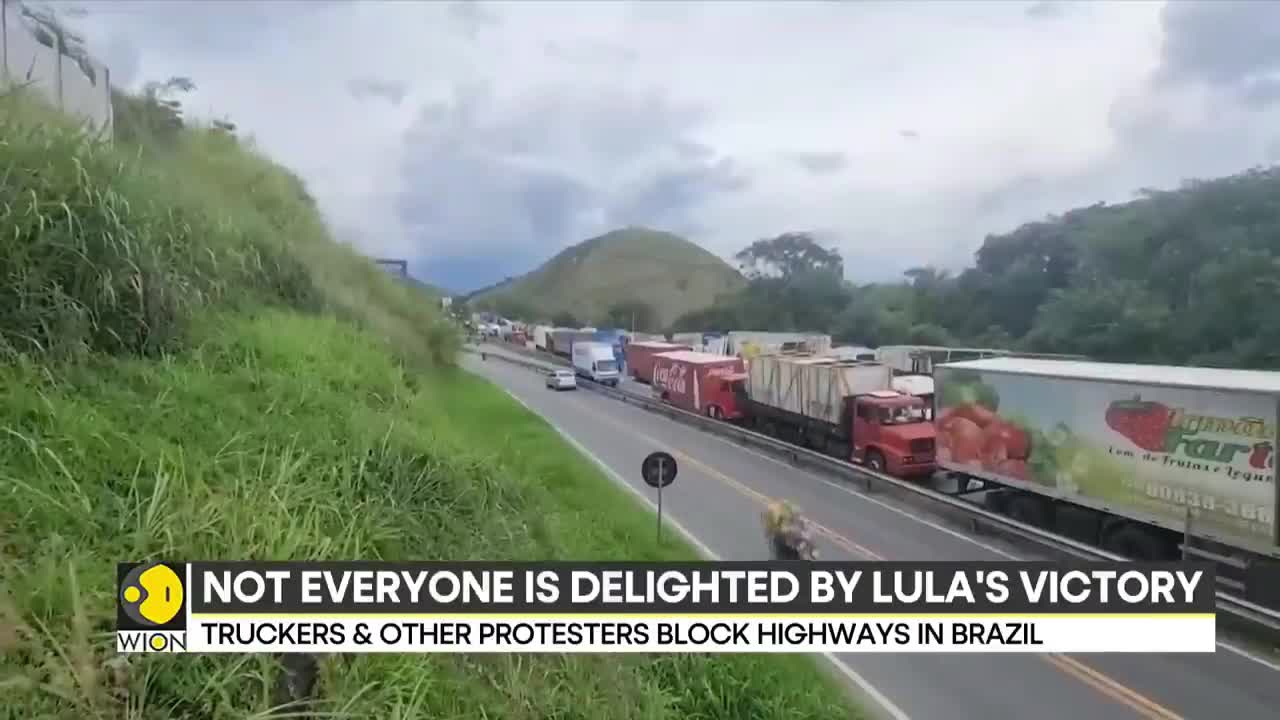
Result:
[1188,276]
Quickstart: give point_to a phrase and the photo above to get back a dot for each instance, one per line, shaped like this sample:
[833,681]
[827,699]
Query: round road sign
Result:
[658,469]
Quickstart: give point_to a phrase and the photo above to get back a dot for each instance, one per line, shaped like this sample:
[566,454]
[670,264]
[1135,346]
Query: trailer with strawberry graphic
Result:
[1132,458]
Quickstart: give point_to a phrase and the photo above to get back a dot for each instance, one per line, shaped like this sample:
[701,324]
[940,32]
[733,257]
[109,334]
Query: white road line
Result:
[1225,645]
[888,706]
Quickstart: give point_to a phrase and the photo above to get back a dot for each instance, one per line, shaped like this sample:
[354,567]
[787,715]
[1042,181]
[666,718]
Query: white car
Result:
[562,380]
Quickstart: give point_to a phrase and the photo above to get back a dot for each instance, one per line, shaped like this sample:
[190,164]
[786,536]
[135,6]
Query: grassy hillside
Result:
[666,271]
[191,368]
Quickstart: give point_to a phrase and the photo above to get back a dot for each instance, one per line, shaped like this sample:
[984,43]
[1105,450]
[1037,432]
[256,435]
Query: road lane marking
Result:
[1143,705]
[888,707]
[1104,684]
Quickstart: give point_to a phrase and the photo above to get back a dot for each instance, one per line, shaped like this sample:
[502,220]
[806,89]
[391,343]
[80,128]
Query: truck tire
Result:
[875,461]
[1029,509]
[714,413]
[1134,542]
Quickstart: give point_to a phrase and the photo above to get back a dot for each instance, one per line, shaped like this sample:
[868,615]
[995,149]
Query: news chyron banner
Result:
[756,607]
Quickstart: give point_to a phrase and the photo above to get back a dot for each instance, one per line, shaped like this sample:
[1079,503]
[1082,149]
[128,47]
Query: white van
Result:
[595,361]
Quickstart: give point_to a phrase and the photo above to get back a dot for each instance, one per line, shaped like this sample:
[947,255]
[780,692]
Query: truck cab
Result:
[727,391]
[702,383]
[892,433]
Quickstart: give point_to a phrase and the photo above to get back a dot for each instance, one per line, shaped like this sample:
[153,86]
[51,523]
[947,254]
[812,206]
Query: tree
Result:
[632,315]
[156,116]
[514,308]
[51,30]
[787,255]
[565,319]
[1185,276]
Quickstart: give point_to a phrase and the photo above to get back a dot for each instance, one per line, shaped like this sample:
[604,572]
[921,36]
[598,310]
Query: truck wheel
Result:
[875,460]
[714,413]
[1135,543]
[1030,510]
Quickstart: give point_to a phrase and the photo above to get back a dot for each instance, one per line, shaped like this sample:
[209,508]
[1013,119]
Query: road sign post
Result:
[658,471]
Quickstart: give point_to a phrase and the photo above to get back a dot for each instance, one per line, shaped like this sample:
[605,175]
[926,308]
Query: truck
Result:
[1146,461]
[748,344]
[844,408]
[540,336]
[640,357]
[559,340]
[711,385]
[616,339]
[595,361]
[562,340]
[921,359]
[853,352]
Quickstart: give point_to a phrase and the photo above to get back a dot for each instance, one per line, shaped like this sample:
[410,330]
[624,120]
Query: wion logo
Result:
[151,608]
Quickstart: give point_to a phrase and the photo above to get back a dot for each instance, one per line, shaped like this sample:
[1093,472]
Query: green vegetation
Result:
[191,368]
[656,274]
[1187,276]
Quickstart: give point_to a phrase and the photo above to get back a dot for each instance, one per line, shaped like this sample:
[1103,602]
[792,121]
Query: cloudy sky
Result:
[477,140]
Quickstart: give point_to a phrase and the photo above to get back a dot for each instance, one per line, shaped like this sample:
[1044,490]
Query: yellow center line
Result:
[1105,685]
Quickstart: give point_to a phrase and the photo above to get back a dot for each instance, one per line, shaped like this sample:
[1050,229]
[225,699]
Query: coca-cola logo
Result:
[672,377]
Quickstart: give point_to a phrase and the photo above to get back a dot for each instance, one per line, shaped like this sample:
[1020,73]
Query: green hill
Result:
[663,270]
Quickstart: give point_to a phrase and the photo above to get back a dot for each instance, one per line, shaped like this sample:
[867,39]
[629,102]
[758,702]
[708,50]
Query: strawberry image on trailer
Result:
[1145,423]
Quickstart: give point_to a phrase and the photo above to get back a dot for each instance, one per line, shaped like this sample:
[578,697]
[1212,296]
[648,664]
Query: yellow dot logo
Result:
[152,595]
[158,642]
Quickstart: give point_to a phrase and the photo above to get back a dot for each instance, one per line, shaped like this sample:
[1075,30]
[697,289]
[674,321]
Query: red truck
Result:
[640,354]
[711,385]
[844,408]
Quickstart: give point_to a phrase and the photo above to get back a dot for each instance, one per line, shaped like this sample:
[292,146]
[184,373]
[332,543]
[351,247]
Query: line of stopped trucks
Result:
[1145,461]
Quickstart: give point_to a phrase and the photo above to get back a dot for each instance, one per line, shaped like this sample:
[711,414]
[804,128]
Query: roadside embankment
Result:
[191,368]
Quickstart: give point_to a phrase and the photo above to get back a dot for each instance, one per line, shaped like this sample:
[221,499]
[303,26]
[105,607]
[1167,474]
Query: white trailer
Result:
[595,361]
[1138,459]
[692,339]
[749,344]
[540,336]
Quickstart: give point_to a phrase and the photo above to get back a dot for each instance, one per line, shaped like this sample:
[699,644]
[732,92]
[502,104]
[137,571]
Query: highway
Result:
[718,498]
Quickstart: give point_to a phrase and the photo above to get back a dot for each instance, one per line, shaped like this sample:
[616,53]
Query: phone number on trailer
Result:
[1248,512]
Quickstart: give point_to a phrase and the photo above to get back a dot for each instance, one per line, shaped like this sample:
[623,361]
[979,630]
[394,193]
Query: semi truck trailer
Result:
[1150,462]
[640,357]
[843,408]
[700,382]
[748,344]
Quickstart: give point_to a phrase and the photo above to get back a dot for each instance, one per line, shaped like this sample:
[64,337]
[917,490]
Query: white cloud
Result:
[903,131]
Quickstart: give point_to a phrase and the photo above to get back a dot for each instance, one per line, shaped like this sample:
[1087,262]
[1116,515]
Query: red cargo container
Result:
[712,385]
[640,355]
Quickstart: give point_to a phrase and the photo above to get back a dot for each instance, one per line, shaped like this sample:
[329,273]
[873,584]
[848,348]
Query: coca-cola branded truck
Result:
[1136,459]
[640,355]
[707,384]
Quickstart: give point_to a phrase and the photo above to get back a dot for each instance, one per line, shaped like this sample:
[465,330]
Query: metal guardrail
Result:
[1253,615]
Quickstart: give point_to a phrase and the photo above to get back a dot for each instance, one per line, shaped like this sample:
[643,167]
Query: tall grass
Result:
[192,369]
[114,249]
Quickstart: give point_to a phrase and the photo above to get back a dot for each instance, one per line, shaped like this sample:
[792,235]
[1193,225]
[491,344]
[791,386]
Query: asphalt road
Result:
[718,498]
